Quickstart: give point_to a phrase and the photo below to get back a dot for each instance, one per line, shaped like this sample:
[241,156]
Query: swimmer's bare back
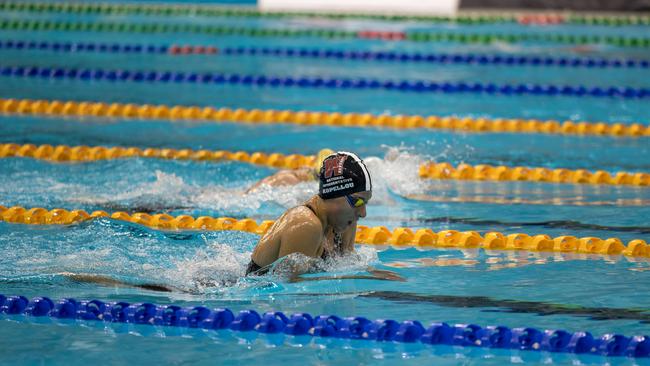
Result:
[285,178]
[297,231]
[303,229]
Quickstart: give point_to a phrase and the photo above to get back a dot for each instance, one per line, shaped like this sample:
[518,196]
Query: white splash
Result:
[397,172]
[167,189]
[221,198]
[209,270]
[359,260]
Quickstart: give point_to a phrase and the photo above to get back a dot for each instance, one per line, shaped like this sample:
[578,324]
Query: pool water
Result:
[456,286]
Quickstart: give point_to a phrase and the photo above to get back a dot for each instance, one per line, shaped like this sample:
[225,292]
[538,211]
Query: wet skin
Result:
[285,178]
[301,230]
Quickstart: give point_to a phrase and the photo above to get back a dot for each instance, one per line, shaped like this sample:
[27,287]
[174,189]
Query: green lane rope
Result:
[221,11]
[44,25]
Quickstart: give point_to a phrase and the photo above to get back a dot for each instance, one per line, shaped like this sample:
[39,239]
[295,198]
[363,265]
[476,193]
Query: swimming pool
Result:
[451,285]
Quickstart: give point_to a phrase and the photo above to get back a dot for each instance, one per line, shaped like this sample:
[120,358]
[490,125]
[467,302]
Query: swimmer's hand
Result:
[376,274]
[382,274]
[296,264]
[108,281]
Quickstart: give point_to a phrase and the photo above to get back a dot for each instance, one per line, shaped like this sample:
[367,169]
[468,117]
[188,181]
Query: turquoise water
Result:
[442,285]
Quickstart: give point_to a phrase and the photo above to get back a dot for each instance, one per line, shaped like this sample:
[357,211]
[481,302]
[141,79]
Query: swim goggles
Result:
[355,202]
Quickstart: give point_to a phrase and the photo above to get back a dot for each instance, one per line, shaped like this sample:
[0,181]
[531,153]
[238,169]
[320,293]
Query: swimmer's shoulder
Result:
[301,232]
[302,216]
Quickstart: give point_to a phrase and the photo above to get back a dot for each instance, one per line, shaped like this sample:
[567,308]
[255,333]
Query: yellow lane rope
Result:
[504,173]
[62,153]
[441,171]
[378,236]
[499,199]
[194,113]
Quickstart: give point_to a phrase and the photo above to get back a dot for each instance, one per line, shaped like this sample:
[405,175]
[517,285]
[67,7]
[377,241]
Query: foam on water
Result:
[171,192]
[208,270]
[209,263]
[238,201]
[397,172]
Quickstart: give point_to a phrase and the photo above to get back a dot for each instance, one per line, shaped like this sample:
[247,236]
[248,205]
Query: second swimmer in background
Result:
[290,177]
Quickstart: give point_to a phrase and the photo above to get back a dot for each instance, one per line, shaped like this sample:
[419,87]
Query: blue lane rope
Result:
[81,47]
[388,56]
[383,330]
[320,82]
[439,58]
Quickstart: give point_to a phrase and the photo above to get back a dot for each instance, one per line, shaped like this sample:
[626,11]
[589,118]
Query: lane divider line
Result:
[329,53]
[401,237]
[430,170]
[64,153]
[466,18]
[485,172]
[439,36]
[476,195]
[58,108]
[330,326]
[317,82]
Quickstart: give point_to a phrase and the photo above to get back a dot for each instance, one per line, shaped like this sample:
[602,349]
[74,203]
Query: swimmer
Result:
[292,177]
[325,226]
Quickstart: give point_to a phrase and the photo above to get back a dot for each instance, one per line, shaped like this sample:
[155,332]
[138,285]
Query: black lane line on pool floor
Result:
[502,305]
[489,304]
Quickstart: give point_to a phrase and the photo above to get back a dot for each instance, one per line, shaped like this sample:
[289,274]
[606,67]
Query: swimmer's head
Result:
[344,183]
[319,159]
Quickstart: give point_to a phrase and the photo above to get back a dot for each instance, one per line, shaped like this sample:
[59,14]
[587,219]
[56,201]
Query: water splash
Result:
[265,197]
[396,172]
[359,260]
[167,190]
[173,186]
[170,192]
[209,270]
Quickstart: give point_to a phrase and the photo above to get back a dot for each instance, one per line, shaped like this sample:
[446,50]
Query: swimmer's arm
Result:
[349,236]
[264,181]
[301,236]
[284,178]
[108,281]
[349,239]
[375,275]
[304,237]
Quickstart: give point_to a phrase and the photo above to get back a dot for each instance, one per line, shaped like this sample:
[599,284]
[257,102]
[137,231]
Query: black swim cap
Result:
[343,173]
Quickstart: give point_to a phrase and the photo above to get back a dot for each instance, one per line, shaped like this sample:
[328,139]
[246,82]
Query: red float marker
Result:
[541,19]
[385,36]
[192,50]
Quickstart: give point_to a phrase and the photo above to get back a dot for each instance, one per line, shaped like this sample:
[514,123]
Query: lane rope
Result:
[475,196]
[485,172]
[330,326]
[64,153]
[220,11]
[316,82]
[401,237]
[430,170]
[195,113]
[470,38]
[198,10]
[328,53]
